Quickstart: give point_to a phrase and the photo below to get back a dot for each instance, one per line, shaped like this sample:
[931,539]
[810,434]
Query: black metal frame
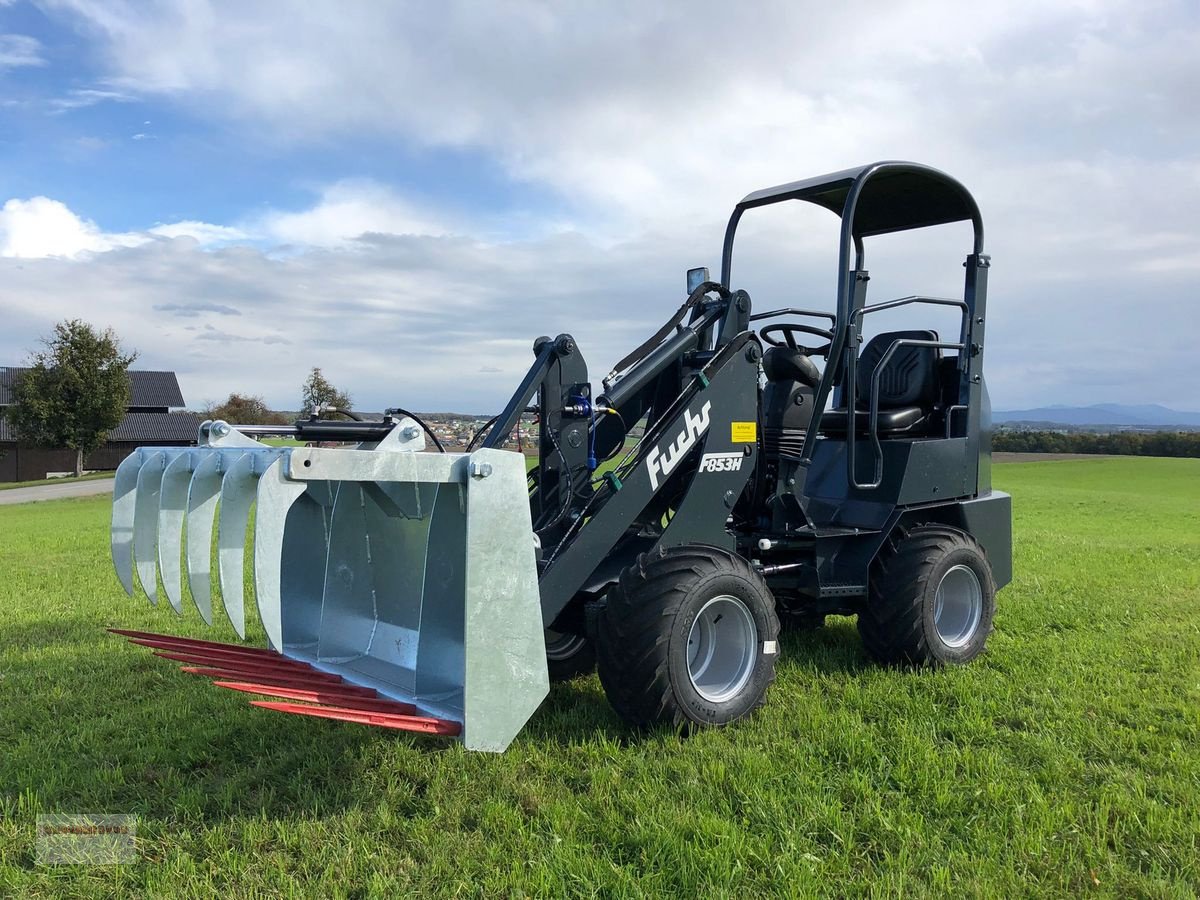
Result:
[847,194]
[851,380]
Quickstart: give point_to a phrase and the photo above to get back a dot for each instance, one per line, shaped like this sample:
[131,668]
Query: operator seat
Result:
[792,378]
[908,387]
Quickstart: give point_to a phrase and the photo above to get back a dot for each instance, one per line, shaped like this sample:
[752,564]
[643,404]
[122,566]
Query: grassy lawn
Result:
[1065,761]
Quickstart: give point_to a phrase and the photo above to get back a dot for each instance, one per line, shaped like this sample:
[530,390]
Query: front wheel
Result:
[932,599]
[689,637]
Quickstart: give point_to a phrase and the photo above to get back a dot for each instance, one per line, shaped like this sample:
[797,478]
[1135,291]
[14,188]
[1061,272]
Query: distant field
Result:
[1065,761]
[1042,457]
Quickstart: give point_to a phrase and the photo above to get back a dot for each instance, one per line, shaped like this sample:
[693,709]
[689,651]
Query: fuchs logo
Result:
[722,462]
[663,462]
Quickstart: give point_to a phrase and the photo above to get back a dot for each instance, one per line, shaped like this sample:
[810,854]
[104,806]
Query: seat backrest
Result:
[910,378]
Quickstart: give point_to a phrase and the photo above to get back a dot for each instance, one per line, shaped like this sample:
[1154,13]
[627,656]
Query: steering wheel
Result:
[788,331]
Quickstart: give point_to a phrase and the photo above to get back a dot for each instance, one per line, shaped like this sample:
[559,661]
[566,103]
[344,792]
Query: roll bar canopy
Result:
[879,198]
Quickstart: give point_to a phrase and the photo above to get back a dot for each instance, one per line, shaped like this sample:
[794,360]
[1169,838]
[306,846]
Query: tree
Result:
[75,391]
[243,409]
[317,391]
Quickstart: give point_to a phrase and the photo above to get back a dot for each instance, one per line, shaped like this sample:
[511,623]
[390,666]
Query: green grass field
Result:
[1065,761]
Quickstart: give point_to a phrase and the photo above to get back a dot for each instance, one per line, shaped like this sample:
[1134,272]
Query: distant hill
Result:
[1149,415]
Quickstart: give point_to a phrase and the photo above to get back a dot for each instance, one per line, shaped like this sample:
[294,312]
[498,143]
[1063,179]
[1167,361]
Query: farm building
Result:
[149,421]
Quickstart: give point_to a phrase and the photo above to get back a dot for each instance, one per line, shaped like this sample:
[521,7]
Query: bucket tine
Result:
[248,669]
[172,501]
[203,493]
[423,724]
[124,498]
[237,493]
[332,696]
[276,494]
[145,523]
[211,670]
[151,639]
[231,652]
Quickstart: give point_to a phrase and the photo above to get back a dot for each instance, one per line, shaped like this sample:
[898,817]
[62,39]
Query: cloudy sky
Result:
[408,194]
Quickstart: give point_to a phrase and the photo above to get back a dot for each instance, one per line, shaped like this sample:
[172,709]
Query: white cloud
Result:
[448,322]
[41,227]
[403,319]
[17,50]
[347,210]
[80,99]
[344,213]
[192,310]
[649,108]
[647,118]
[1074,123]
[204,233]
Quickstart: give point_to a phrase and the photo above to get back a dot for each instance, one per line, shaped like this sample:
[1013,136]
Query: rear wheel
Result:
[688,637]
[568,655]
[932,599]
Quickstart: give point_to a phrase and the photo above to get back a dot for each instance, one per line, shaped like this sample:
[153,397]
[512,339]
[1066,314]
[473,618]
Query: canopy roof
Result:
[874,199]
[890,196]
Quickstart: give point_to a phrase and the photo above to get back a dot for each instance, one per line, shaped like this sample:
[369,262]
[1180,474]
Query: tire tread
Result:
[891,623]
[633,639]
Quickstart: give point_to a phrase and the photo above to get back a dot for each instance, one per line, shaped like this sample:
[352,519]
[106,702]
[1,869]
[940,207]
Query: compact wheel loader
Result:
[738,471]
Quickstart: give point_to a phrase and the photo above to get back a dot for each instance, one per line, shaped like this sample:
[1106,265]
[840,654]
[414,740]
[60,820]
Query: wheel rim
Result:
[958,606]
[562,646]
[721,649]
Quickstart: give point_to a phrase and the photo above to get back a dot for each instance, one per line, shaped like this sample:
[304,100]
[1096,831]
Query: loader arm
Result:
[701,452]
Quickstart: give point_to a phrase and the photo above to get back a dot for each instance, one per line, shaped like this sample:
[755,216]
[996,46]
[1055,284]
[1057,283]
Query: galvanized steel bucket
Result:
[404,579]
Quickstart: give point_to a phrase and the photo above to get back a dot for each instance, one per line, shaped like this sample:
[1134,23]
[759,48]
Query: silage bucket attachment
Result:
[395,587]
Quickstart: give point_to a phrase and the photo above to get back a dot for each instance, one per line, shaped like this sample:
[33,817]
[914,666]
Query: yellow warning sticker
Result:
[744,432]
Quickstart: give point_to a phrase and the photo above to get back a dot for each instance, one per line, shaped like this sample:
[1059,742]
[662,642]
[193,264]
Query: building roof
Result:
[149,389]
[137,428]
[8,374]
[156,389]
[177,428]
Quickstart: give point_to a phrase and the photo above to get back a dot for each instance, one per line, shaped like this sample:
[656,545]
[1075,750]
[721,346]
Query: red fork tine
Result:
[422,724]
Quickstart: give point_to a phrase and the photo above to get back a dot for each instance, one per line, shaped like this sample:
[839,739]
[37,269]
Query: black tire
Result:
[644,631]
[900,623]
[569,656]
